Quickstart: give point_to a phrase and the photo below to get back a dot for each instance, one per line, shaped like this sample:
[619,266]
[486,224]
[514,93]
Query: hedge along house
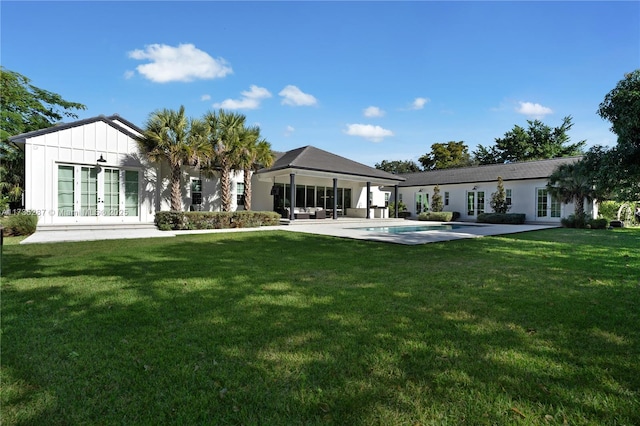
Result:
[91,172]
[468,190]
[308,182]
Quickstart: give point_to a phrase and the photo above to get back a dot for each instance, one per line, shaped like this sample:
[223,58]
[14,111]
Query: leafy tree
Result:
[170,136]
[437,204]
[24,108]
[446,156]
[572,182]
[254,152]
[617,170]
[537,142]
[499,199]
[225,130]
[398,166]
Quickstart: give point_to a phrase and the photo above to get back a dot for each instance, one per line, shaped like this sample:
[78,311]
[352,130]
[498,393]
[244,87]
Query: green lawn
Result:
[279,328]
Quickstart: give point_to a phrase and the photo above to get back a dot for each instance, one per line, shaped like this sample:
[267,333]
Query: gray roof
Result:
[21,138]
[312,158]
[489,173]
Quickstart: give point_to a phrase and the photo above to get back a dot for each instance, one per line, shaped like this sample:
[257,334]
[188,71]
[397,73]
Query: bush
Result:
[575,221]
[436,216]
[20,224]
[178,221]
[598,223]
[502,218]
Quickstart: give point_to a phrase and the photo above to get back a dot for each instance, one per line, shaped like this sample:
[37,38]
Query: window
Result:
[541,202]
[508,196]
[471,202]
[555,207]
[347,198]
[480,208]
[65,190]
[196,192]
[131,193]
[386,198]
[240,194]
[89,191]
[446,198]
[111,192]
[300,195]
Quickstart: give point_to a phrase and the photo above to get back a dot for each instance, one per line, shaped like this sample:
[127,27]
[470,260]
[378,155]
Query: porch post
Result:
[292,195]
[395,201]
[368,201]
[335,198]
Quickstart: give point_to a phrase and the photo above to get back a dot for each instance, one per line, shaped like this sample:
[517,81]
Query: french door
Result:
[97,194]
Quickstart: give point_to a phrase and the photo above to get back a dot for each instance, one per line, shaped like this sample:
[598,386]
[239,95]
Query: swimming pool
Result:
[414,228]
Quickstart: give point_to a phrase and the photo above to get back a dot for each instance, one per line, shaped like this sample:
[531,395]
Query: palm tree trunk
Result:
[247,189]
[579,206]
[176,187]
[225,187]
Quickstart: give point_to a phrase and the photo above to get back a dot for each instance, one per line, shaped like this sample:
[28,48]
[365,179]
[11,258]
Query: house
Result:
[468,190]
[91,172]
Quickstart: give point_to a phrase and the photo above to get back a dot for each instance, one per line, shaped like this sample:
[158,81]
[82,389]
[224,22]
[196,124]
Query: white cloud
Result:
[533,110]
[373,111]
[183,63]
[296,97]
[419,103]
[289,130]
[129,74]
[205,97]
[250,99]
[368,131]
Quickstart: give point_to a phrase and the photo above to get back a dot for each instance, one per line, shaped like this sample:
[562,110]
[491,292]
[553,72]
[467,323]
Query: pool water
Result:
[414,228]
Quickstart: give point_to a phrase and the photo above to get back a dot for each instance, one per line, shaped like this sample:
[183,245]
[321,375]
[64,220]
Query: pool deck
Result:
[342,228]
[350,229]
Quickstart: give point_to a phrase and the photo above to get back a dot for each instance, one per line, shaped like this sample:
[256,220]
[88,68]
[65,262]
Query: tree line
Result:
[536,142]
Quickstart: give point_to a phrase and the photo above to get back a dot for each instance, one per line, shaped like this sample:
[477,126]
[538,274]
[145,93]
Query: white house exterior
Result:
[468,190]
[91,172]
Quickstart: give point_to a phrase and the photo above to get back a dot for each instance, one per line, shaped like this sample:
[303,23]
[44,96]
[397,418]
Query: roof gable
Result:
[123,126]
[540,169]
[312,158]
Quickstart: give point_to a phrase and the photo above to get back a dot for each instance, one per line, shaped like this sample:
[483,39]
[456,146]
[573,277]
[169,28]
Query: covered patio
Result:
[309,183]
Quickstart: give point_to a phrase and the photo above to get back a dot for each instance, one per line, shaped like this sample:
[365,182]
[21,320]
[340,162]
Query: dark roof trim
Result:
[64,126]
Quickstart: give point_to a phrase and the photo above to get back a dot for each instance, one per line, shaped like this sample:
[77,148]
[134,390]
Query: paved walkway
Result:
[348,228]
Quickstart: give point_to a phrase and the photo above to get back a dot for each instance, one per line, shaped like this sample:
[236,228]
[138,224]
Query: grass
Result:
[283,328]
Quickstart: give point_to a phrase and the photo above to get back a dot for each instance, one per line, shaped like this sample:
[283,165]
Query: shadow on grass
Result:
[280,328]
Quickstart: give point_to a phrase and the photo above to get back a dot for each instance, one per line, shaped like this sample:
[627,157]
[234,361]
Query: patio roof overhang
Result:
[284,174]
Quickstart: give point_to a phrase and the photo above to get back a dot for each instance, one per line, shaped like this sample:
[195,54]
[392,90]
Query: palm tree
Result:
[254,152]
[572,182]
[225,129]
[170,136]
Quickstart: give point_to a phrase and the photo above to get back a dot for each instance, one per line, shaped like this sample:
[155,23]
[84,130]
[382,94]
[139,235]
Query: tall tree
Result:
[172,137]
[24,108]
[571,182]
[254,152]
[398,166]
[619,169]
[537,142]
[225,129]
[446,156]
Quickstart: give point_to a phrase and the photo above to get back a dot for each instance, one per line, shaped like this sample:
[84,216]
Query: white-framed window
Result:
[240,194]
[196,191]
[446,198]
[546,205]
[508,196]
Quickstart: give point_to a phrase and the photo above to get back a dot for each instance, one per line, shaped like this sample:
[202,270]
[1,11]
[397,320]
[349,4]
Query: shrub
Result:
[502,218]
[575,221]
[436,216]
[20,224]
[177,221]
[437,203]
[598,223]
[609,209]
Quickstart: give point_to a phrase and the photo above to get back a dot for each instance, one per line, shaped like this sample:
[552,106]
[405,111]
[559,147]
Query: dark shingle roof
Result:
[488,173]
[63,126]
[312,158]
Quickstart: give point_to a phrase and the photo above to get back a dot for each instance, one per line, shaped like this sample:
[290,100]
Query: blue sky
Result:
[370,81]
